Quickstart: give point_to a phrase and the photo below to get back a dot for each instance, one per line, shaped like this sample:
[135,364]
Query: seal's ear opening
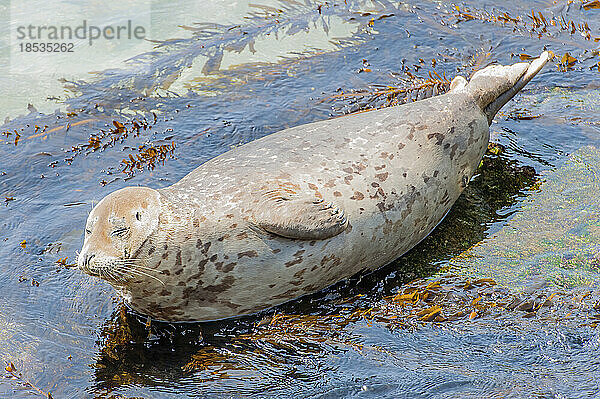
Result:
[495,85]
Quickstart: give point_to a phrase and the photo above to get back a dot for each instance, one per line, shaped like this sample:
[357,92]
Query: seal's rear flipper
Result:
[495,85]
[533,69]
[298,216]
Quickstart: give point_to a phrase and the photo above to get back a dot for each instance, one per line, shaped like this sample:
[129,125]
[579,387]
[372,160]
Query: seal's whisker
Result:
[108,273]
[150,269]
[133,266]
[124,262]
[141,273]
[129,261]
[102,272]
[119,275]
[113,277]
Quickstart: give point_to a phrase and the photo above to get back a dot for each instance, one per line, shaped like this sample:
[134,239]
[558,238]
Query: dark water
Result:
[69,334]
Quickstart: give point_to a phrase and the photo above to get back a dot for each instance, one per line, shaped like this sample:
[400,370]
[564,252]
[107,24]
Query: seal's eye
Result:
[88,231]
[138,216]
[120,232]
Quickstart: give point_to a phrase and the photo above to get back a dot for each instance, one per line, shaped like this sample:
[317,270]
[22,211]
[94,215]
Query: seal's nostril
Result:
[87,259]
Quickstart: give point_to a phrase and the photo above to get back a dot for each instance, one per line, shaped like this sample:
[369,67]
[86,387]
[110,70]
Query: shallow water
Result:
[69,334]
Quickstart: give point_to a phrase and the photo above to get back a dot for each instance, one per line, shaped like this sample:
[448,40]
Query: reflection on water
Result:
[493,328]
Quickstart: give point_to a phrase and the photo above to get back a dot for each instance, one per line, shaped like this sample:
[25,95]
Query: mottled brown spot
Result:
[151,250]
[383,155]
[330,183]
[250,254]
[293,262]
[196,223]
[288,294]
[380,167]
[227,268]
[438,136]
[276,250]
[208,294]
[201,265]
[164,292]
[374,184]
[401,146]
[348,179]
[178,259]
[378,193]
[313,187]
[358,196]
[383,207]
[453,150]
[213,258]
[382,176]
[165,255]
[229,216]
[242,236]
[337,194]
[229,304]
[299,273]
[348,170]
[226,236]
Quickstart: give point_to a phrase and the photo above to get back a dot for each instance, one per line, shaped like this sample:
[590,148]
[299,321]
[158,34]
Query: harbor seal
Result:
[296,211]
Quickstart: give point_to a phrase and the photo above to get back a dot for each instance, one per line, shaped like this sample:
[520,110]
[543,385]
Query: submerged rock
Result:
[553,239]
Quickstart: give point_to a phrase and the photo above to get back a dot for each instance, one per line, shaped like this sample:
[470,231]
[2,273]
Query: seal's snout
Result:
[84,262]
[495,85]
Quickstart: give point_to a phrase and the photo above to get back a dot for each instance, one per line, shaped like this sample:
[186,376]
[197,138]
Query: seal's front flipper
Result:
[297,215]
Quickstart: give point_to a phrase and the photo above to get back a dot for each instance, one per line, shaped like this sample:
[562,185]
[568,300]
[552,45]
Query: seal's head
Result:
[115,229]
